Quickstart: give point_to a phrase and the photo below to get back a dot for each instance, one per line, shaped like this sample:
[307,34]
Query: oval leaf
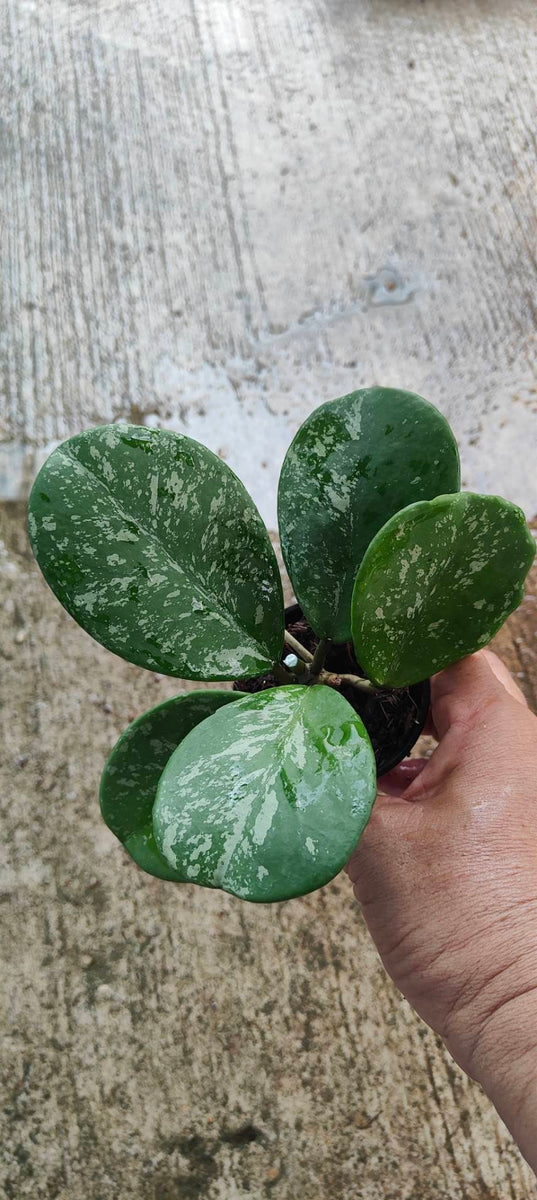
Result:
[354,463]
[268,798]
[130,777]
[437,583]
[154,546]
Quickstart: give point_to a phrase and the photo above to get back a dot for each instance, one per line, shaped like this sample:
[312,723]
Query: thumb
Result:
[504,676]
[463,698]
[460,692]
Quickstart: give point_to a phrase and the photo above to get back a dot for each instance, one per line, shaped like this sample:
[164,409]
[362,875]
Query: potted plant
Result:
[153,545]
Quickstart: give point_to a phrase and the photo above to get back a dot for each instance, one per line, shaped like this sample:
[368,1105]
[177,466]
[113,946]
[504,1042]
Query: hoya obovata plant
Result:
[153,545]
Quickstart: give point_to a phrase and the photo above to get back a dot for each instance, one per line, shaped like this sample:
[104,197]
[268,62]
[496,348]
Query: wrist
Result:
[503,1060]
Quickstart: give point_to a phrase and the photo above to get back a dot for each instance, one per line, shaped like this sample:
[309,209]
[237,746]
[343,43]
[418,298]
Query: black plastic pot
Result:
[394,720]
[420,693]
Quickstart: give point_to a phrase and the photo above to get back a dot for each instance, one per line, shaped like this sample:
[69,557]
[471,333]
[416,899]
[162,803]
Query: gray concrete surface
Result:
[168,1043]
[214,215]
[218,213]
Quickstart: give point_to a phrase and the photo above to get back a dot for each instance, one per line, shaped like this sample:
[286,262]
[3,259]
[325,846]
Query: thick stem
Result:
[298,647]
[328,677]
[300,669]
[355,681]
[319,656]
[282,674]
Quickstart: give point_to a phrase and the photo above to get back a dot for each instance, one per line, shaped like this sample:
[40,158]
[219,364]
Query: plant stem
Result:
[319,656]
[355,681]
[298,648]
[300,670]
[329,677]
[282,674]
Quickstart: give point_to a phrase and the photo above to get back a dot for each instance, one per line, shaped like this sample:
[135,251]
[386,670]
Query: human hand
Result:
[446,873]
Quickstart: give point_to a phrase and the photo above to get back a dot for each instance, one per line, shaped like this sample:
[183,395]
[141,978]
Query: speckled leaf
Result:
[436,583]
[354,463]
[130,777]
[154,546]
[267,798]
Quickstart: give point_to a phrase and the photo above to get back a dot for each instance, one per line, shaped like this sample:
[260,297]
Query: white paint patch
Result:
[167,846]
[264,819]
[153,493]
[296,744]
[405,565]
[341,500]
[113,434]
[87,601]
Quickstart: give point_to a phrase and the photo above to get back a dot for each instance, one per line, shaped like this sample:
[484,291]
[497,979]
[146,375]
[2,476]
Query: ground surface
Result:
[215,214]
[220,212]
[166,1043]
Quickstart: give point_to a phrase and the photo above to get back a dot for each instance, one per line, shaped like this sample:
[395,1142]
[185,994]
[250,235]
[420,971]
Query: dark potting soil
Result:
[393,719]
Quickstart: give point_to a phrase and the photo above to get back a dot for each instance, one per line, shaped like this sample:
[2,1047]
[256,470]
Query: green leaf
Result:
[267,798]
[130,777]
[155,548]
[354,463]
[436,583]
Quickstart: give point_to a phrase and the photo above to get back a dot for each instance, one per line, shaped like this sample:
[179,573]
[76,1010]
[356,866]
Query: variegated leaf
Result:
[267,798]
[154,546]
[436,583]
[354,463]
[130,777]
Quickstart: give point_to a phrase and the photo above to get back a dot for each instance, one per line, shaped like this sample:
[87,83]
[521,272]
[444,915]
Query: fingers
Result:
[429,728]
[463,700]
[460,691]
[504,676]
[457,696]
[457,693]
[396,782]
